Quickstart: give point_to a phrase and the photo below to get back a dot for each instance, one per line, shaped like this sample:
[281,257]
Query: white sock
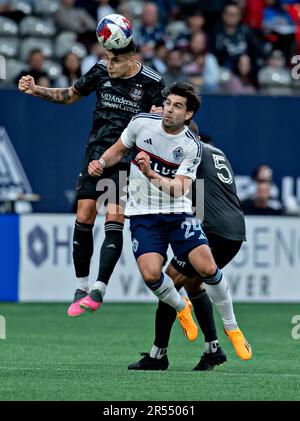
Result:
[221,297]
[211,347]
[101,286]
[157,353]
[82,283]
[183,292]
[167,293]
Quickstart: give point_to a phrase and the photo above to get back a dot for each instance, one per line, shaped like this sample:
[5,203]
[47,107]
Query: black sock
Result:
[164,319]
[82,248]
[111,250]
[204,314]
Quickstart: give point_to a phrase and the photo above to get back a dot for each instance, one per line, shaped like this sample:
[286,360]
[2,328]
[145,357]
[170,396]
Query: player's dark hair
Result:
[186,90]
[130,49]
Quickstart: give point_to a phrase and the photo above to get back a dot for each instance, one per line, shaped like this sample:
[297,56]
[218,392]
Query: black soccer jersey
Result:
[223,215]
[118,100]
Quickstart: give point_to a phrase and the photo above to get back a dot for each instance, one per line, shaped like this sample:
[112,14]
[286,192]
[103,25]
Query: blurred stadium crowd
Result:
[221,46]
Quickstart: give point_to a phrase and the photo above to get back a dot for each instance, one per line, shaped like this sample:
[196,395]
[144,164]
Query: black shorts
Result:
[222,249]
[112,185]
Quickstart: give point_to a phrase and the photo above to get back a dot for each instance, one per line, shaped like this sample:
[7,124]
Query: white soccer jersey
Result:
[170,155]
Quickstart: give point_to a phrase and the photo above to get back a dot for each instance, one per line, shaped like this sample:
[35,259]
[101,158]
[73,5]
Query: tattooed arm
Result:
[56,95]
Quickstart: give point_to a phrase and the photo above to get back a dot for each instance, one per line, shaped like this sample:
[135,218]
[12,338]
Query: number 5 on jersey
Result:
[218,161]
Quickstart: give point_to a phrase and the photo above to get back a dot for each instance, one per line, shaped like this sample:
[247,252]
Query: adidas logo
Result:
[149,141]
[107,84]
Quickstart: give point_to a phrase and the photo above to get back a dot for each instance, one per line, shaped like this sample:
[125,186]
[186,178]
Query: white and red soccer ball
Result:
[114,32]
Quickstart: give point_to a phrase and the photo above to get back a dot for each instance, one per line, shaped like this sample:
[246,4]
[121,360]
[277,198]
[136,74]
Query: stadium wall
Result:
[50,139]
[36,261]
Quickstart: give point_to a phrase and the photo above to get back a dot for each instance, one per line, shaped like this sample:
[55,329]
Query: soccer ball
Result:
[114,32]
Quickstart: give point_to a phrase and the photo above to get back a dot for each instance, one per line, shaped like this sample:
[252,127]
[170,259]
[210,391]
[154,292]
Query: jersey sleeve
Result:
[128,136]
[191,161]
[88,83]
[157,93]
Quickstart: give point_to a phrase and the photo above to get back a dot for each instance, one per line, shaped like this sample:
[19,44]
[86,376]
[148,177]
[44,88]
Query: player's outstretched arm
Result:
[111,157]
[56,95]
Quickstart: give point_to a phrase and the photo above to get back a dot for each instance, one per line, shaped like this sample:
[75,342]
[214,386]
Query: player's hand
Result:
[155,109]
[27,85]
[143,161]
[95,168]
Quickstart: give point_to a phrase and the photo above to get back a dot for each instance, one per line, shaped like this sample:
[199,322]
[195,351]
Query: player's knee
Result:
[86,211]
[150,275]
[208,270]
[85,216]
[115,218]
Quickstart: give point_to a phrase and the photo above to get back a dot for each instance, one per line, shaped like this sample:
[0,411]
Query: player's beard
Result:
[171,126]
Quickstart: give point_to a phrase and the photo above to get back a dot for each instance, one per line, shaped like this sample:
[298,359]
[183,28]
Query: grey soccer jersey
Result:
[222,211]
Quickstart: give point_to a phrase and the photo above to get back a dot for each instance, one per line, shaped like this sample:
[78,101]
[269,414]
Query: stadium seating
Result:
[9,47]
[22,6]
[8,27]
[29,44]
[37,27]
[74,47]
[13,68]
[63,42]
[53,69]
[176,29]
[45,7]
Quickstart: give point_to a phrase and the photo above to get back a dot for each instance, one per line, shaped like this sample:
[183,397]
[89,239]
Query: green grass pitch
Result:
[48,356]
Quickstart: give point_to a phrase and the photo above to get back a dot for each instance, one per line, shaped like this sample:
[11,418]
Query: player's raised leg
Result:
[217,287]
[82,251]
[165,316]
[150,266]
[109,255]
[213,354]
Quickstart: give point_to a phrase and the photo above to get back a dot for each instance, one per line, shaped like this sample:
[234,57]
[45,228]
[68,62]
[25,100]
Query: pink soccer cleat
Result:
[92,301]
[74,310]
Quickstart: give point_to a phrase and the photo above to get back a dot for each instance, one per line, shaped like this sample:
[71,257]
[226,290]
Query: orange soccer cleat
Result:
[185,318]
[241,346]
